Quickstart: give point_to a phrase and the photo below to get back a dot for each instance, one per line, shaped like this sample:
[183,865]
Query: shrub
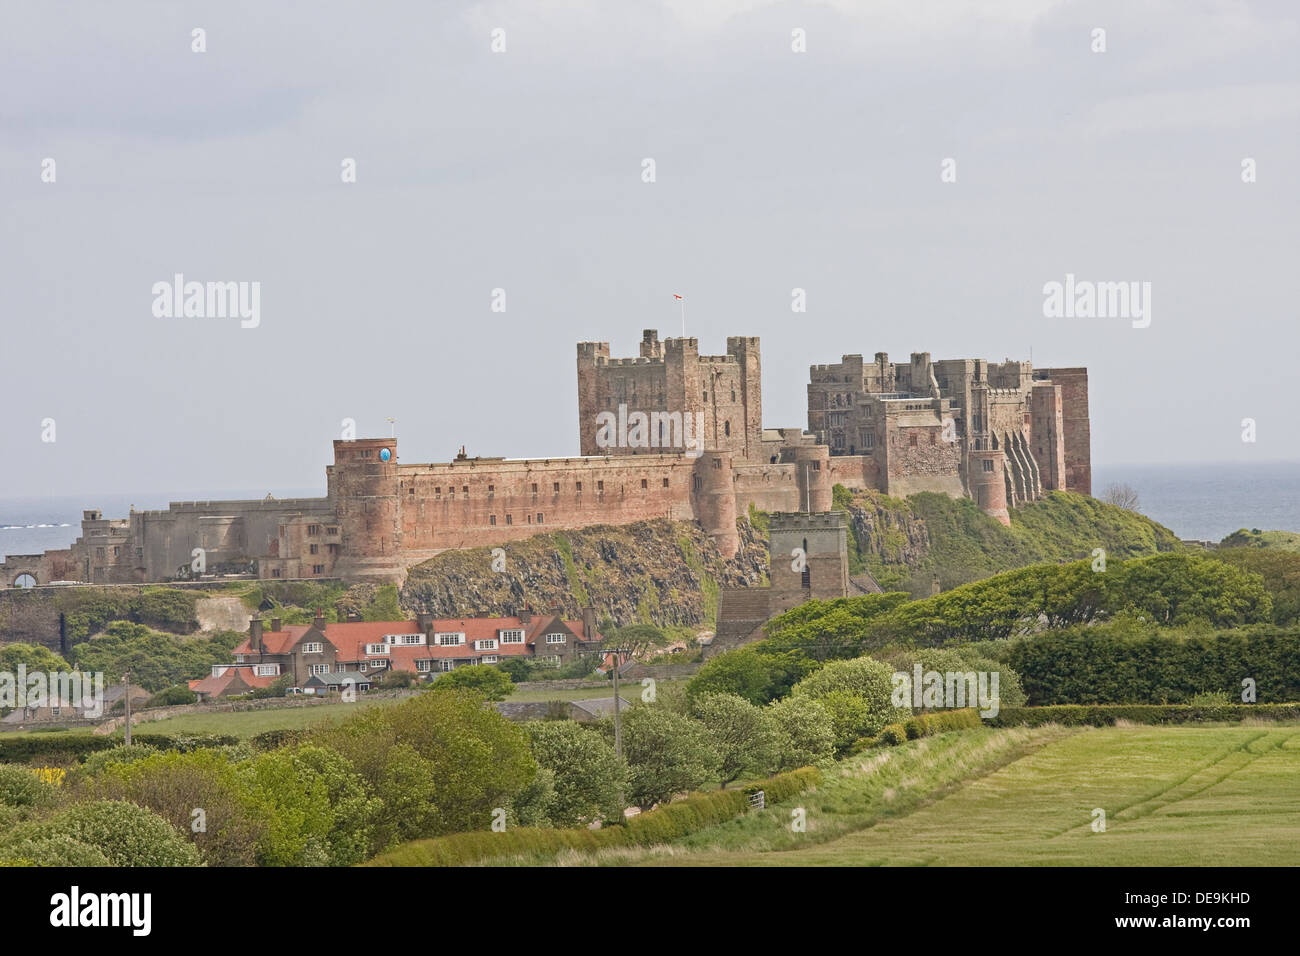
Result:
[127,835]
[172,696]
[893,735]
[485,680]
[41,844]
[19,787]
[1105,715]
[668,822]
[175,785]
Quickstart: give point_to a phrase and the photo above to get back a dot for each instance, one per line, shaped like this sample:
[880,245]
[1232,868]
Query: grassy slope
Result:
[962,544]
[1174,796]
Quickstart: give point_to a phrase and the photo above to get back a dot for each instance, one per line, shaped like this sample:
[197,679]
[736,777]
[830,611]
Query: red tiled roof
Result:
[350,639]
[216,686]
[276,642]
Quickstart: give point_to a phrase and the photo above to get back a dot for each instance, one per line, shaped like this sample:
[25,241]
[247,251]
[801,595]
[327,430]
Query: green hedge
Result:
[1104,715]
[1108,665]
[921,725]
[54,747]
[664,823]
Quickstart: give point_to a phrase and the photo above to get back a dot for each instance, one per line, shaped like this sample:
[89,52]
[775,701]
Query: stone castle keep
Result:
[668,434]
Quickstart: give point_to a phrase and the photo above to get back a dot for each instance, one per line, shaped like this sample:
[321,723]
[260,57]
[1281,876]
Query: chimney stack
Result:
[589,623]
[255,634]
[526,615]
[275,624]
[424,621]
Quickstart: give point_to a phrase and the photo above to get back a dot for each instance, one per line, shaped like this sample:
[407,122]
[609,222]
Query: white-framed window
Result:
[239,659]
[315,647]
[424,666]
[555,639]
[445,665]
[488,645]
[379,665]
[404,638]
[267,670]
[376,648]
[489,659]
[450,639]
[361,666]
[515,636]
[553,661]
[318,668]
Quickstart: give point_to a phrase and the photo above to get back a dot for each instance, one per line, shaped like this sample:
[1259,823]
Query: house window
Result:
[331,530]
[577,486]
[313,530]
[988,464]
[492,519]
[726,428]
[275,572]
[665,482]
[314,647]
[376,648]
[555,638]
[313,549]
[409,638]
[557,487]
[465,490]
[267,670]
[487,645]
[492,491]
[911,440]
[489,659]
[512,636]
[534,487]
[424,666]
[450,640]
[644,484]
[446,665]
[600,486]
[318,569]
[509,519]
[318,669]
[540,516]
[553,661]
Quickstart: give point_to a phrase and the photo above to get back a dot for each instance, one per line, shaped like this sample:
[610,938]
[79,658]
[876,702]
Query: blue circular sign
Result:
[385,454]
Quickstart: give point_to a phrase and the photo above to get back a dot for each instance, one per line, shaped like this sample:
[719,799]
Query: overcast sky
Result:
[523,170]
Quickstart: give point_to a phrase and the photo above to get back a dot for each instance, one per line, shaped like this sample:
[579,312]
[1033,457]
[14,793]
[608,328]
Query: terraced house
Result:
[424,646]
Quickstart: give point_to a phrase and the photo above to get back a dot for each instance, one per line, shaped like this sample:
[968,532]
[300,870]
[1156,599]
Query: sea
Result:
[1195,501]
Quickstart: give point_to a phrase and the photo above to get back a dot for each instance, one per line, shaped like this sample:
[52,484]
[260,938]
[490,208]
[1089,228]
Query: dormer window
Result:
[450,639]
[555,638]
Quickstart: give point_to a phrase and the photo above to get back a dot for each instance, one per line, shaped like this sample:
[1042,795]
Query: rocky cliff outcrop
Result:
[664,572]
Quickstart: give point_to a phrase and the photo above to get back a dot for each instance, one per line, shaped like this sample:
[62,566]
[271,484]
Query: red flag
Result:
[676,296]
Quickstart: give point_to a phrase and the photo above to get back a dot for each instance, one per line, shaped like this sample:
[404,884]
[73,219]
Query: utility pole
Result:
[126,683]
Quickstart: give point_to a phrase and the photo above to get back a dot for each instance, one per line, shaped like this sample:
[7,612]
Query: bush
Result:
[485,680]
[172,696]
[750,673]
[127,835]
[668,822]
[96,762]
[1105,715]
[41,844]
[745,737]
[893,735]
[20,787]
[174,785]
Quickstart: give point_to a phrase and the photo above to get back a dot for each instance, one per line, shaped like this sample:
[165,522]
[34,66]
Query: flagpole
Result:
[683,316]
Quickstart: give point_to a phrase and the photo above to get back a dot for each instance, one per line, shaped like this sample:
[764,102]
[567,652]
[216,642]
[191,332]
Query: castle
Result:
[670,434]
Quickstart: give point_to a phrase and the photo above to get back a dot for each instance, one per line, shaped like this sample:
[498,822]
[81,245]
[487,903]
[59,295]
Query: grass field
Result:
[1173,796]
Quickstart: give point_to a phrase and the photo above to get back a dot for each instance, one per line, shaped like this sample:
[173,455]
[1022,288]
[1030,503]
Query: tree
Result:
[752,672]
[34,657]
[807,734]
[858,696]
[128,835]
[744,736]
[587,776]
[635,640]
[1122,496]
[484,679]
[665,754]
[441,762]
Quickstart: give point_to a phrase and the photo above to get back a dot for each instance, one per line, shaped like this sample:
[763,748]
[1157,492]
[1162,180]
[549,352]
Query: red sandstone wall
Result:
[1078,428]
